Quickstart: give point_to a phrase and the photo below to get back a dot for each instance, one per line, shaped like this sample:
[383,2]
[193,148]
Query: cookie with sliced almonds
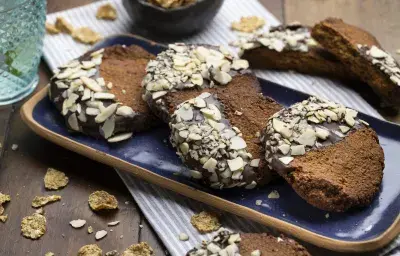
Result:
[226,242]
[290,47]
[330,157]
[363,55]
[238,101]
[100,94]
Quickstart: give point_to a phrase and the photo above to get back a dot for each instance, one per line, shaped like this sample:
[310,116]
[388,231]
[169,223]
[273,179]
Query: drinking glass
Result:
[21,40]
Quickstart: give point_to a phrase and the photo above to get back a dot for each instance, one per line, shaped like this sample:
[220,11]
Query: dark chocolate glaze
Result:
[136,123]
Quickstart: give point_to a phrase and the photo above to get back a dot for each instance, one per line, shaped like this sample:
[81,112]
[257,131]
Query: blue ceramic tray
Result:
[149,157]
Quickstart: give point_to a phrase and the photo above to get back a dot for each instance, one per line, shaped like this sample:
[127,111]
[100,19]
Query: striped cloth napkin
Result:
[169,213]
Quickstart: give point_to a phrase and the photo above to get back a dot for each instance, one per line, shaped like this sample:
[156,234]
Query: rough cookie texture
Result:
[90,250]
[238,93]
[141,249]
[205,222]
[101,200]
[55,179]
[33,226]
[291,47]
[363,55]
[270,245]
[313,145]
[100,94]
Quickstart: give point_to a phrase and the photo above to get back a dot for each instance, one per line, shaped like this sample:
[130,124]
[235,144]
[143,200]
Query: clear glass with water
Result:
[21,39]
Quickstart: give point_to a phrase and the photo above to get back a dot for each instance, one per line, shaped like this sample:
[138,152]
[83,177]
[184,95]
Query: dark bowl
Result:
[177,21]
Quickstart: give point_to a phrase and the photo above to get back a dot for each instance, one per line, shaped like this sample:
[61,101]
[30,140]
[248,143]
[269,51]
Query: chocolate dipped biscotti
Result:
[249,244]
[291,47]
[100,94]
[362,54]
[215,110]
[330,157]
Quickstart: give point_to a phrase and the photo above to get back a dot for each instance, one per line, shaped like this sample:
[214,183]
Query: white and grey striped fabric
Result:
[169,213]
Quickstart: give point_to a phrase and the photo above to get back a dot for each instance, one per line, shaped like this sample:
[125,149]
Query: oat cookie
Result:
[55,179]
[90,250]
[40,201]
[86,35]
[101,200]
[248,24]
[106,12]
[64,26]
[33,226]
[141,249]
[205,222]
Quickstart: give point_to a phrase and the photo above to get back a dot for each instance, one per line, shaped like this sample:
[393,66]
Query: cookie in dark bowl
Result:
[175,20]
[99,94]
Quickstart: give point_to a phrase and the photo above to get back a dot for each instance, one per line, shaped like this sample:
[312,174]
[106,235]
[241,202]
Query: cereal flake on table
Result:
[51,29]
[49,254]
[33,226]
[106,12]
[90,250]
[64,26]
[141,249]
[40,201]
[248,24]
[90,230]
[55,179]
[1,209]
[3,218]
[101,200]
[4,198]
[167,4]
[205,222]
[86,35]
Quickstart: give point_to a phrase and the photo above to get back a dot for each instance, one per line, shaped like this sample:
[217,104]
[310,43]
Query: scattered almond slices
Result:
[77,223]
[141,249]
[33,226]
[106,12]
[40,201]
[248,24]
[86,35]
[100,234]
[55,179]
[51,29]
[90,250]
[205,222]
[101,200]
[113,223]
[64,26]
[112,253]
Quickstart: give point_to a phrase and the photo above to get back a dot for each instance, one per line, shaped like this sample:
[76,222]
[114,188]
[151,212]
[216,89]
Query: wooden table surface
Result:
[22,171]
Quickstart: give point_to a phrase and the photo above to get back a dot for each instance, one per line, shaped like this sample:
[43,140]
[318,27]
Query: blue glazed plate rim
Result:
[302,233]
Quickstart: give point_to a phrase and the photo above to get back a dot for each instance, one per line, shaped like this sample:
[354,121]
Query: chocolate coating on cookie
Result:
[95,100]
[188,67]
[210,145]
[308,125]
